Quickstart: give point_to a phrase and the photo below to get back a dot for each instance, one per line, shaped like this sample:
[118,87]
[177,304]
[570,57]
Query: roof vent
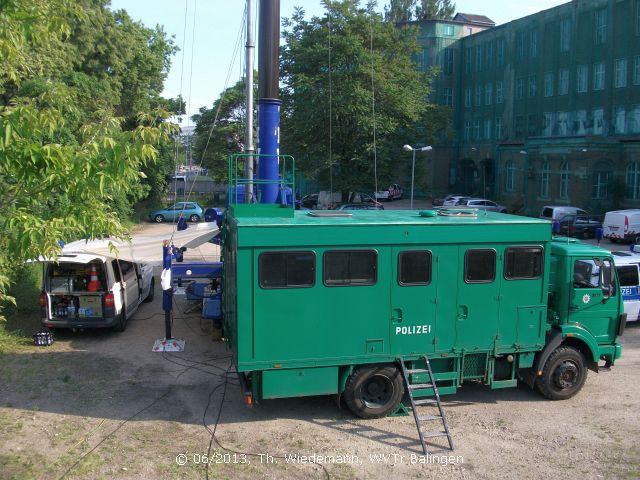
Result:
[470,213]
[329,214]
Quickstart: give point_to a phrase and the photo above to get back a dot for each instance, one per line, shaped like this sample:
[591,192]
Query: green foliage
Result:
[399,11]
[311,120]
[82,130]
[407,10]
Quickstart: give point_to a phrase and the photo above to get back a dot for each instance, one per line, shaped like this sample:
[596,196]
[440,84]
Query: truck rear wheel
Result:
[374,391]
[563,375]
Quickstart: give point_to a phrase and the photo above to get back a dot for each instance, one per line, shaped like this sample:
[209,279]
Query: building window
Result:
[620,74]
[510,177]
[499,92]
[479,58]
[547,124]
[619,120]
[601,26]
[563,123]
[600,182]
[487,129]
[287,269]
[447,96]
[488,50]
[634,120]
[598,76]
[519,126]
[581,78]
[532,121]
[533,86]
[632,181]
[467,60]
[563,82]
[533,44]
[519,45]
[499,129]
[636,65]
[548,84]
[480,266]
[522,263]
[565,34]
[488,93]
[545,175]
[478,95]
[467,97]
[467,130]
[448,61]
[500,47]
[564,180]
[414,267]
[598,121]
[476,129]
[448,30]
[350,267]
[519,88]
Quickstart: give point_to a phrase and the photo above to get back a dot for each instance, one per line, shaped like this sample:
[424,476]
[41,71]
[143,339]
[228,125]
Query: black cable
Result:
[215,428]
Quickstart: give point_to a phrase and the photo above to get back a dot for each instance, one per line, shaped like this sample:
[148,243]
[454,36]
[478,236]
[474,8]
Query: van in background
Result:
[622,225]
[556,212]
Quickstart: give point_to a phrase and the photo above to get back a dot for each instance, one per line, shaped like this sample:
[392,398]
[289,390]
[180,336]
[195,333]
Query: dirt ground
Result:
[99,404]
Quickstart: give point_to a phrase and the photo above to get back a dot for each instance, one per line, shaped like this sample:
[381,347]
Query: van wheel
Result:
[152,291]
[374,391]
[613,240]
[121,326]
[563,374]
[636,240]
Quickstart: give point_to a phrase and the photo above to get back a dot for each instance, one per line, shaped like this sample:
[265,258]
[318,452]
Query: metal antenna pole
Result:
[249,149]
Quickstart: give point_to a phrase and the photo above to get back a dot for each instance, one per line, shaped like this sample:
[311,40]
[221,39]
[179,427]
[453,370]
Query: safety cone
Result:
[94,285]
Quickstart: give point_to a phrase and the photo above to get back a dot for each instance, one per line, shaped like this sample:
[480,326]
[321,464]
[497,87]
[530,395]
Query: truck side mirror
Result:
[607,279]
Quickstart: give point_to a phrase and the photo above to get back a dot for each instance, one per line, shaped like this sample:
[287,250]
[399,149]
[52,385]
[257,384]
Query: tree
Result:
[71,147]
[323,105]
[399,11]
[435,9]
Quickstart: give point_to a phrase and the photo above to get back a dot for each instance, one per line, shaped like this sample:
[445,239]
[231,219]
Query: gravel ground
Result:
[101,404]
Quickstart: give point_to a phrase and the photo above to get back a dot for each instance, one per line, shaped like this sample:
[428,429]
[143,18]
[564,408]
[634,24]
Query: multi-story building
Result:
[546,108]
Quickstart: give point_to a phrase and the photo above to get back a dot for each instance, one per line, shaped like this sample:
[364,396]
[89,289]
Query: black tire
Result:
[613,240]
[158,218]
[563,374]
[636,240]
[152,292]
[121,326]
[374,391]
[194,218]
[586,234]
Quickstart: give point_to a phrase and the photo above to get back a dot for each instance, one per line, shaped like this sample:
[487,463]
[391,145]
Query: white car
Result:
[394,192]
[628,268]
[90,291]
[481,204]
[452,200]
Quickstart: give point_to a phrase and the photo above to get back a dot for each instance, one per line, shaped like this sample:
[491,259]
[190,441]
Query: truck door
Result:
[413,300]
[478,298]
[589,305]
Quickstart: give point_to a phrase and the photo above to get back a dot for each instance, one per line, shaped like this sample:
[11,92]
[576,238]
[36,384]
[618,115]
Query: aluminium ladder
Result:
[422,419]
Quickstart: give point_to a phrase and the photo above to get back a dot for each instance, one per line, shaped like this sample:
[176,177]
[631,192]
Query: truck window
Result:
[628,275]
[350,267]
[586,274]
[414,267]
[287,269]
[522,263]
[480,266]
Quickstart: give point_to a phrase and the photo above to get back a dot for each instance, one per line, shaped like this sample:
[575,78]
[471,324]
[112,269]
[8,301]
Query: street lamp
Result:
[409,148]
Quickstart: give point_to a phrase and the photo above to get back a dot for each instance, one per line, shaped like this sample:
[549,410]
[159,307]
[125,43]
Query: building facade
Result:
[546,108]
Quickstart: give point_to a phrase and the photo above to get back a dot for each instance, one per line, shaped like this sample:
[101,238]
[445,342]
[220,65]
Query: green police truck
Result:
[320,303]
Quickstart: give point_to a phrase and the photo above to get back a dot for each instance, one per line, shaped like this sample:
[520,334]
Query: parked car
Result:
[360,206]
[394,192]
[439,201]
[622,225]
[481,204]
[190,210]
[90,291]
[628,268]
[556,212]
[580,226]
[452,200]
[309,201]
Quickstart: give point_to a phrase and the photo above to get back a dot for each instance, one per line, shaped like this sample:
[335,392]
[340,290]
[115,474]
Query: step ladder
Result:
[422,420]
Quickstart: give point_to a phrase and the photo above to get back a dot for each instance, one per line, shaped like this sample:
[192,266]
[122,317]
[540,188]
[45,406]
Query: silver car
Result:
[481,204]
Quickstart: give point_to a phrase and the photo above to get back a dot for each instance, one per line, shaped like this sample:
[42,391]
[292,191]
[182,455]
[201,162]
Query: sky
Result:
[212,27]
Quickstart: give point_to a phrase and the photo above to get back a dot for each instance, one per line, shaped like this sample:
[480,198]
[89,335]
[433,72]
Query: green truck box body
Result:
[305,340]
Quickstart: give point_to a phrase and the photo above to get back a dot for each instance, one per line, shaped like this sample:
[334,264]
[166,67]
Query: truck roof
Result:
[565,246]
[378,227]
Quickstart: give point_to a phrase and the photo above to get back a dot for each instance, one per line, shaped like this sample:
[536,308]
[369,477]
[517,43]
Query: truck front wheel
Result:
[374,391]
[563,375]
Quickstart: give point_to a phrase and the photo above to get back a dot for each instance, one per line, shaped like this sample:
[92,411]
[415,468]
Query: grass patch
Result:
[23,319]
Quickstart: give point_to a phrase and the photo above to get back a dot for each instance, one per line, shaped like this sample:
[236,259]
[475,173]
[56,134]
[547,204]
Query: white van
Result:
[622,225]
[628,268]
[556,212]
[90,291]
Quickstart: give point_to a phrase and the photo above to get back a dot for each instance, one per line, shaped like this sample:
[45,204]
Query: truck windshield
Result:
[593,273]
